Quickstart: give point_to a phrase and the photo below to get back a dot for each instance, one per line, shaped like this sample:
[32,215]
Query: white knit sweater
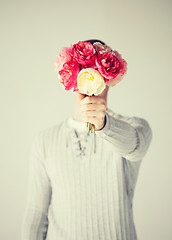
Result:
[81,184]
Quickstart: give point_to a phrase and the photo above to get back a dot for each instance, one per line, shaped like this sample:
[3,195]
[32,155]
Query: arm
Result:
[130,136]
[35,221]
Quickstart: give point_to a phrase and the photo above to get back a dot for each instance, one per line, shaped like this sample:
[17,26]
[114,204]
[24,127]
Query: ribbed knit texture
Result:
[81,185]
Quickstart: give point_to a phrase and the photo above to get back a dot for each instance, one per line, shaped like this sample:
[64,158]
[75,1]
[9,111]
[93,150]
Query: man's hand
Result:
[93,110]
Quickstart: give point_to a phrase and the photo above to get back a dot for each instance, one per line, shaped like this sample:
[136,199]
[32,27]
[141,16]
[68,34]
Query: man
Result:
[81,185]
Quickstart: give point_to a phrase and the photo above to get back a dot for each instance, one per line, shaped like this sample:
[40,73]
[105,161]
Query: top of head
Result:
[94,40]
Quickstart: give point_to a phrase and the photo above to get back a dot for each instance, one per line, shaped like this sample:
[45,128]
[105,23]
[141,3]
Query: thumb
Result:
[80,96]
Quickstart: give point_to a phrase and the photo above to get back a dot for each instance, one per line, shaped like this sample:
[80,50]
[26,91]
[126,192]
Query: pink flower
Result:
[68,75]
[100,48]
[84,53]
[64,56]
[112,67]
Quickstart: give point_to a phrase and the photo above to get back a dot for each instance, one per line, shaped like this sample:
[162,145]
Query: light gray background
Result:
[32,98]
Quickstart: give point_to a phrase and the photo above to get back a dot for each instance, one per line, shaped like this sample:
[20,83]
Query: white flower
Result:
[90,81]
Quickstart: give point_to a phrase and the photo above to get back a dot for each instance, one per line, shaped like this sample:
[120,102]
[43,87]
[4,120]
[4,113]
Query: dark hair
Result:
[94,40]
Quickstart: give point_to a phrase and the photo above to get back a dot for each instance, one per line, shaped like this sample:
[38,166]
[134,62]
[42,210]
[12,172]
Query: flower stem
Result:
[91,127]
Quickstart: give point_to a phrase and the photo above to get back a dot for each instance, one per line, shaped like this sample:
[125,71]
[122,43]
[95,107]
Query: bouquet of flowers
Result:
[88,68]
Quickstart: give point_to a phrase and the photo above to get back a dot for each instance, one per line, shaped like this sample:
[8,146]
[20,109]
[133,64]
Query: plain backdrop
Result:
[32,98]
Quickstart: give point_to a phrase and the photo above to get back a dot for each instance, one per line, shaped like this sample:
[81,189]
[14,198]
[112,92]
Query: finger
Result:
[92,99]
[93,106]
[91,119]
[94,120]
[98,115]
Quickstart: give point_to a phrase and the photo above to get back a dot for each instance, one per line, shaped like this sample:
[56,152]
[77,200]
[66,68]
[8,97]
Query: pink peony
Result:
[84,53]
[68,75]
[100,48]
[64,56]
[112,67]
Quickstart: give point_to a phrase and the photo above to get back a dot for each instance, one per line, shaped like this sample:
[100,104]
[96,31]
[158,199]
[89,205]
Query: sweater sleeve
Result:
[35,220]
[130,136]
